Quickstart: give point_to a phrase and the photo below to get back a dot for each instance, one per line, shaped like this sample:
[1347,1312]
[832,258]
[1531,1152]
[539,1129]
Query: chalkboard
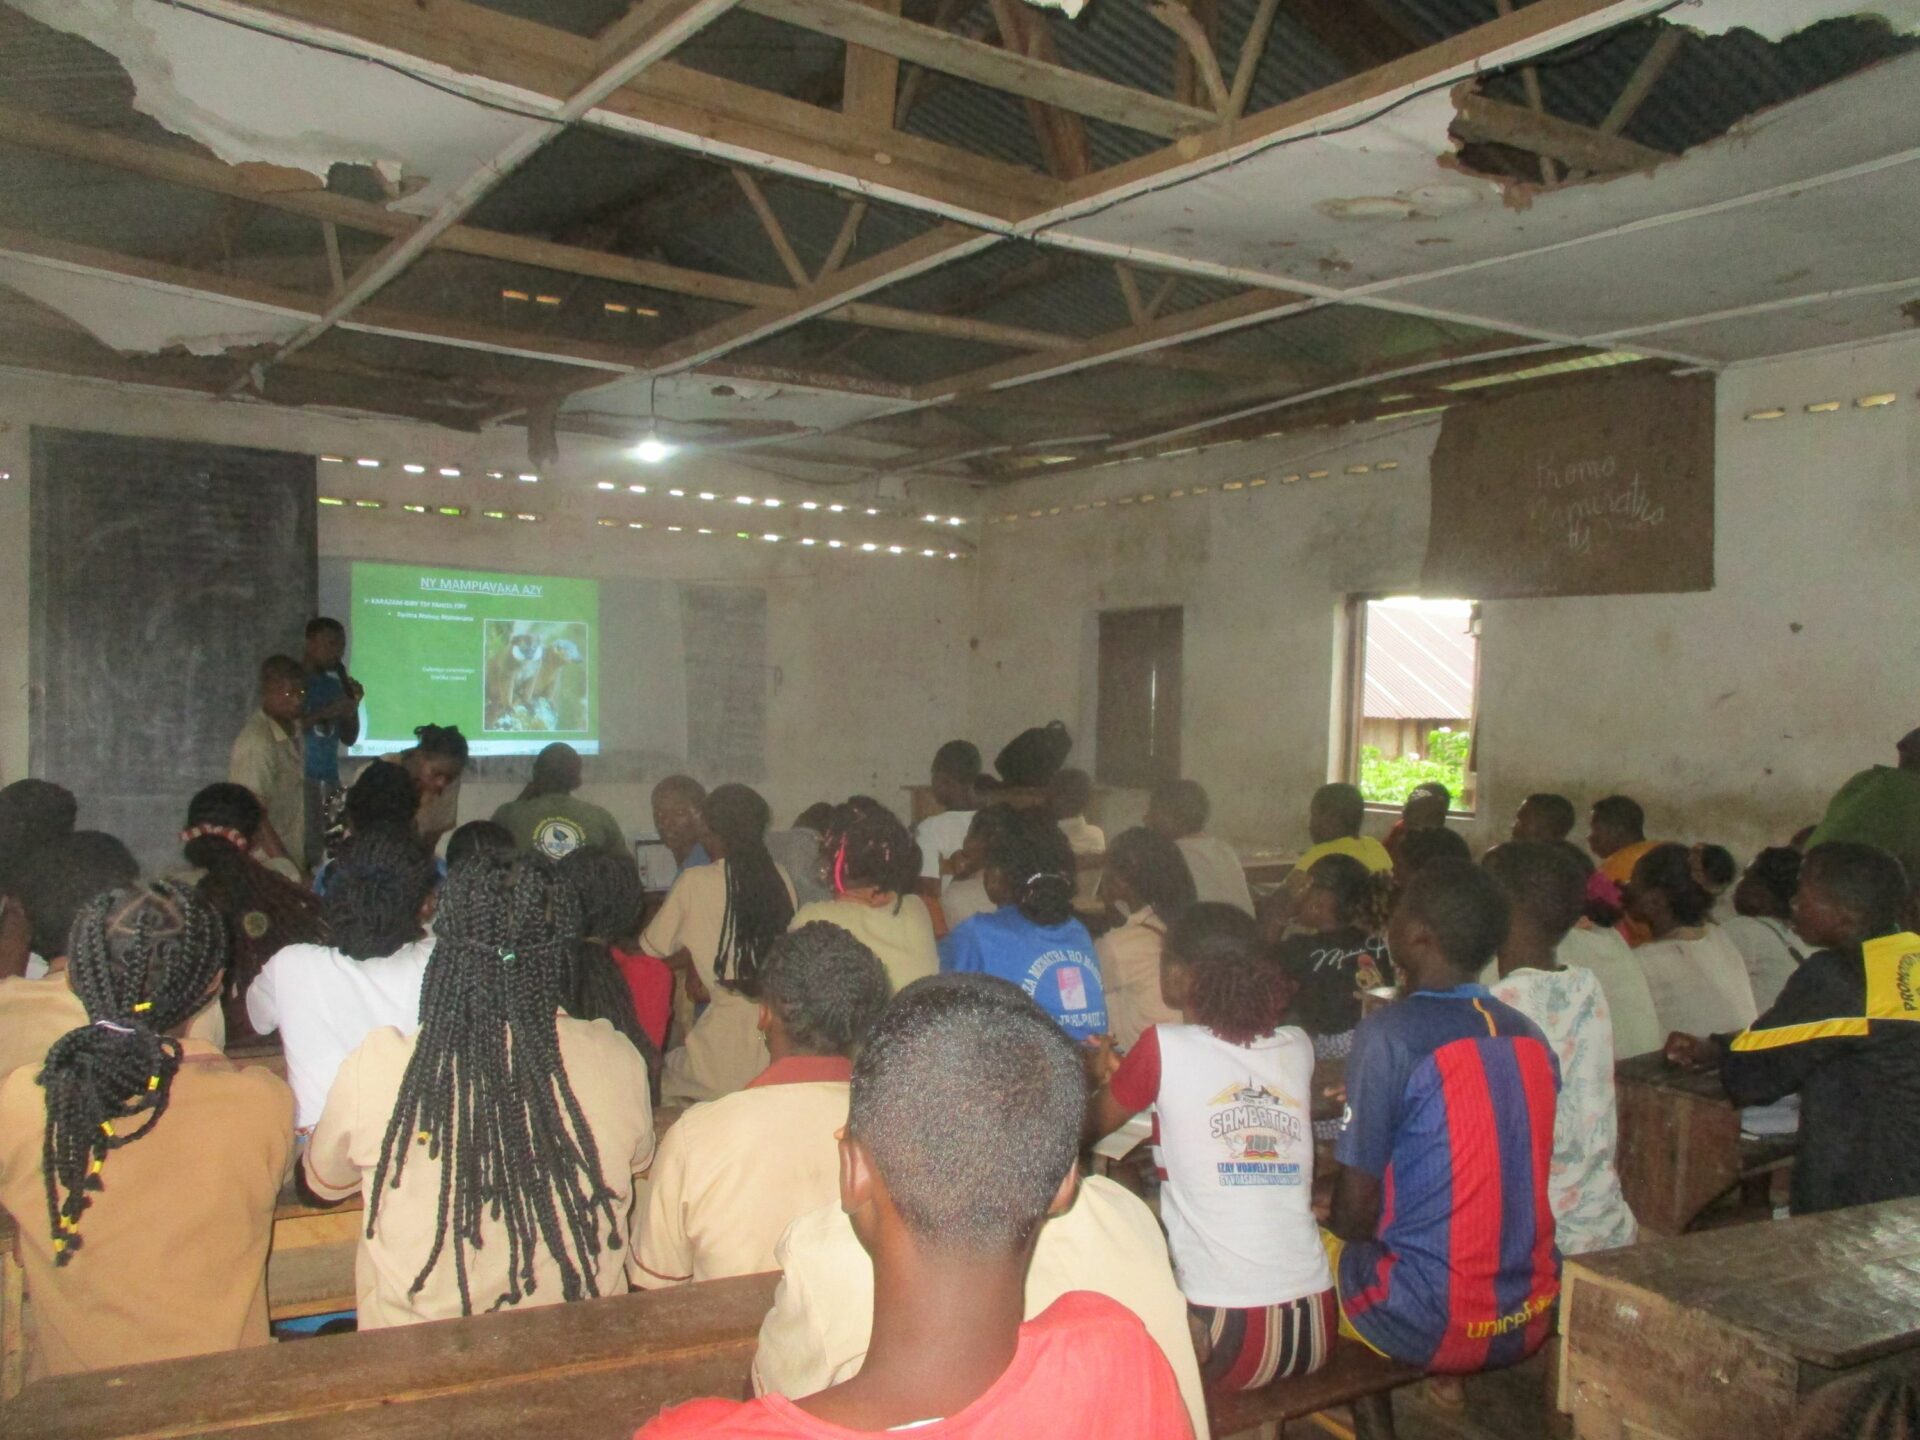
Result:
[1597,487]
[724,628]
[162,574]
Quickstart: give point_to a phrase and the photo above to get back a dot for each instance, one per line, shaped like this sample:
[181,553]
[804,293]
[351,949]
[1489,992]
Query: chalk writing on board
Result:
[725,631]
[1604,501]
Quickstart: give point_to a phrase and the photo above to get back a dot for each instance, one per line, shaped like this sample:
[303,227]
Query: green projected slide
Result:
[513,660]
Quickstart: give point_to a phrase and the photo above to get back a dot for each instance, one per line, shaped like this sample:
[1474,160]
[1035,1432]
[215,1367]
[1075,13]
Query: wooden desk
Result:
[588,1371]
[1680,1147]
[1716,1335]
[1267,868]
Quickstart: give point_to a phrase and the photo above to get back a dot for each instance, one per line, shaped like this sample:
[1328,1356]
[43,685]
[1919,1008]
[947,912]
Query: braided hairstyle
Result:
[1034,858]
[379,881]
[142,960]
[759,909]
[865,844]
[263,912]
[486,1091]
[611,894]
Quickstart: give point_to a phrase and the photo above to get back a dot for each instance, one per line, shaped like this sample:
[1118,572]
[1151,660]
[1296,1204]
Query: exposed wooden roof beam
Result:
[1061,135]
[670,104]
[1017,74]
[1234,312]
[870,89]
[1355,32]
[1252,50]
[1495,121]
[1192,34]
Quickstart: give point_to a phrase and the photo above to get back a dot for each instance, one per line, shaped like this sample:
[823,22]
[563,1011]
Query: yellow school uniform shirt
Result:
[723,1050]
[174,1247]
[734,1173]
[1364,848]
[816,1334]
[900,935]
[1130,974]
[609,1080]
[35,1013]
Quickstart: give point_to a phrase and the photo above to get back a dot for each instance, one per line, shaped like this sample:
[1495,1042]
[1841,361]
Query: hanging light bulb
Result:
[652,449]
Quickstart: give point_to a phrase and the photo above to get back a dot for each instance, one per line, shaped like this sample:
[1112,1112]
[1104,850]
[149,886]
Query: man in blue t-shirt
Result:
[331,719]
[1449,1260]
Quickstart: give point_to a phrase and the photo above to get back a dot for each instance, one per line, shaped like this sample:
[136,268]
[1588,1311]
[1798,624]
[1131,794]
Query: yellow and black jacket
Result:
[1845,1034]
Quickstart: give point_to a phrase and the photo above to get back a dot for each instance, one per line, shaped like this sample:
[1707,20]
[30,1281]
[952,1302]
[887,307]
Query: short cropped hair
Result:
[1421,848]
[55,883]
[1342,804]
[1622,813]
[1541,881]
[958,759]
[1862,879]
[33,813]
[325,625]
[1464,908]
[1184,803]
[827,988]
[282,667]
[970,1101]
[1070,792]
[1555,810]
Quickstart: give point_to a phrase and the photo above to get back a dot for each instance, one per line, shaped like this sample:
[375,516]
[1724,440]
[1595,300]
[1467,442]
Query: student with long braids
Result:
[497,1147]
[263,911]
[140,1167]
[607,982]
[715,928]
[1034,939]
[1148,882]
[872,864]
[325,999]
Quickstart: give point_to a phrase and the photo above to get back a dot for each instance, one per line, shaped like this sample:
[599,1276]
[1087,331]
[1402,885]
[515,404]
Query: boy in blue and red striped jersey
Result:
[1448,1261]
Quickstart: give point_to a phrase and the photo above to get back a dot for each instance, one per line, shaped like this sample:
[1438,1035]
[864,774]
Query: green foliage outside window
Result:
[1388,782]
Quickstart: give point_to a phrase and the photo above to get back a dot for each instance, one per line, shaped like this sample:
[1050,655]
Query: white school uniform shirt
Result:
[1083,838]
[1636,1027]
[1234,1139]
[325,1004]
[964,899]
[1699,984]
[940,836]
[1217,872]
[1772,952]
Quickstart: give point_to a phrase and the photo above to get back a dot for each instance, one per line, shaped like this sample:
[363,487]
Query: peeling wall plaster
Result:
[253,97]
[1776,19]
[143,319]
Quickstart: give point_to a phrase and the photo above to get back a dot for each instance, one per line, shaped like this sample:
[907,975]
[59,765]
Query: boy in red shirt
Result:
[962,1137]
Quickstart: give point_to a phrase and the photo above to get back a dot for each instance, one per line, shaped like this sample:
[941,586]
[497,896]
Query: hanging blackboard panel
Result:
[162,574]
[1597,487]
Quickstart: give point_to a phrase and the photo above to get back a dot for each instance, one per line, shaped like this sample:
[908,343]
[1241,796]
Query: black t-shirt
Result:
[1332,968]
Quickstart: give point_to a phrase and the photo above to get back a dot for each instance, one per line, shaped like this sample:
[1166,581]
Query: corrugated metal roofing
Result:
[1419,664]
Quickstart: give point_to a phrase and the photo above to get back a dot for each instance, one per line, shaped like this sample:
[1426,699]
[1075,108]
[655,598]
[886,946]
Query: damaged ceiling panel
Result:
[137,317]
[1892,311]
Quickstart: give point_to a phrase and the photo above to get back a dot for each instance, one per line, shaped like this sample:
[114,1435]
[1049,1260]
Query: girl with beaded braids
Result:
[137,1145]
[325,999]
[1034,939]
[262,910]
[872,864]
[715,929]
[497,1147]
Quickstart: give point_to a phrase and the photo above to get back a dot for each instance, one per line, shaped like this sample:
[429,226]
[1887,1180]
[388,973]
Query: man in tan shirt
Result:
[169,1258]
[734,1172]
[269,757]
[500,917]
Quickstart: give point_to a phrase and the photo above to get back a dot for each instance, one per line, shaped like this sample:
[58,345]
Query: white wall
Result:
[1731,715]
[868,652]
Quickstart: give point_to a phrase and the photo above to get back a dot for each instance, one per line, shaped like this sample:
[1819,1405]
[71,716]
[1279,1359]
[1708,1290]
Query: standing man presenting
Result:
[332,721]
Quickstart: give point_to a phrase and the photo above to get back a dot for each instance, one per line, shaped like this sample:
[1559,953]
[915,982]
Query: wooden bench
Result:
[593,1370]
[1680,1145]
[1354,1376]
[1719,1334]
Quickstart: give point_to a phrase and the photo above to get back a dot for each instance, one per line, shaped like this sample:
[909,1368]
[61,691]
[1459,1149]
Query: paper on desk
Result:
[1780,1118]
[1127,1138]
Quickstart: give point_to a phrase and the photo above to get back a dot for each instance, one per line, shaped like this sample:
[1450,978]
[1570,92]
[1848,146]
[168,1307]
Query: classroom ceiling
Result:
[963,238]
